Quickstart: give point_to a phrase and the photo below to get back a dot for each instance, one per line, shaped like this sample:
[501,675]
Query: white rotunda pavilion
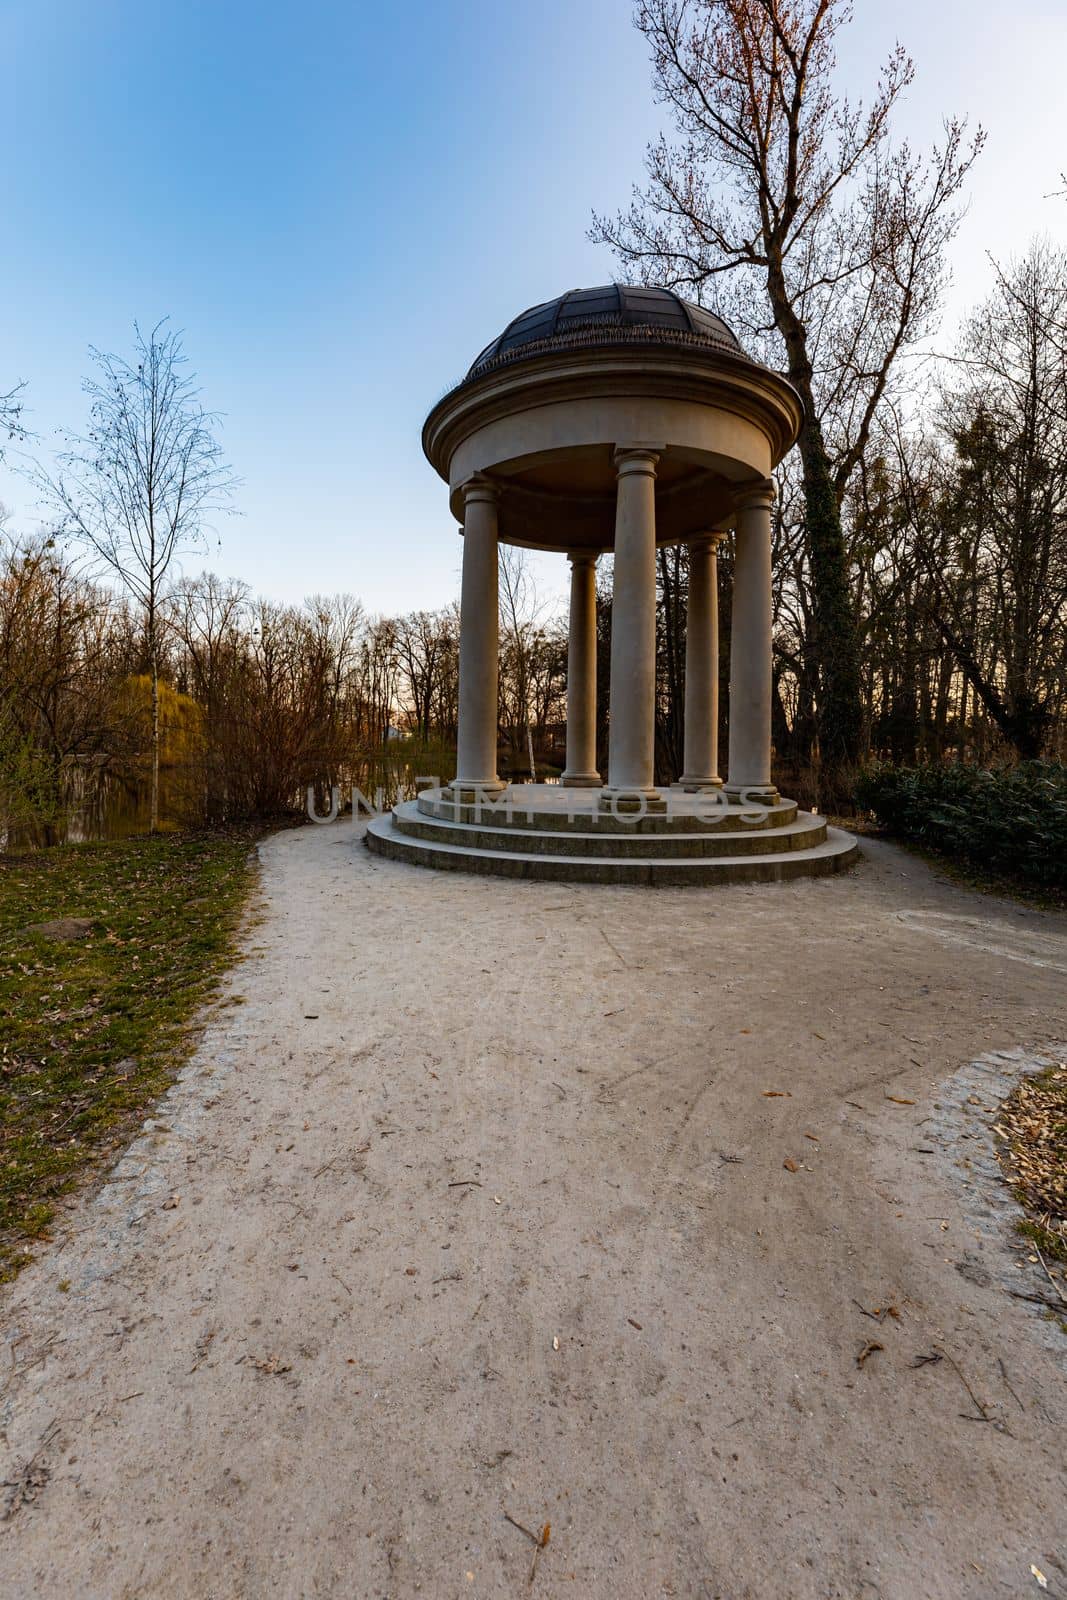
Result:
[618,419]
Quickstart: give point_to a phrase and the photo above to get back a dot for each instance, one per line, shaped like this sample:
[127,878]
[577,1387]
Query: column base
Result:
[696,785]
[640,802]
[472,791]
[755,794]
[580,780]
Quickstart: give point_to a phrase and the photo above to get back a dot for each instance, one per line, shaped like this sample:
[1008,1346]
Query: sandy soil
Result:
[478,1202]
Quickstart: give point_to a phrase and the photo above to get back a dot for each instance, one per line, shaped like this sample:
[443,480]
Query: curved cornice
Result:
[720,379]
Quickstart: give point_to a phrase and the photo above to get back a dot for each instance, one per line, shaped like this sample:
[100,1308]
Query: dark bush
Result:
[1012,821]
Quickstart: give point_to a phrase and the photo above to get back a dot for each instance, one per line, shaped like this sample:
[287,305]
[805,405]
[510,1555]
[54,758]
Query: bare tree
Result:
[11,424]
[63,652]
[425,652]
[831,238]
[138,488]
[521,637]
[1001,582]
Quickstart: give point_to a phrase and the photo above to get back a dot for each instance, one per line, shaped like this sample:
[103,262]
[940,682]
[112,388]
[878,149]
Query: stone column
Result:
[702,667]
[633,636]
[749,771]
[581,770]
[478,644]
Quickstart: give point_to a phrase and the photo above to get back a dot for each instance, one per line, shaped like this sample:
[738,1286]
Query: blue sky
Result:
[341,204]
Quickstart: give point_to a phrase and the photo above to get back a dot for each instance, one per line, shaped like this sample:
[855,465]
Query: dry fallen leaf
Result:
[777,1094]
[868,1350]
[555,1342]
[1039,1575]
[813,1136]
[273,1366]
[172,1202]
[898,1100]
[790,1165]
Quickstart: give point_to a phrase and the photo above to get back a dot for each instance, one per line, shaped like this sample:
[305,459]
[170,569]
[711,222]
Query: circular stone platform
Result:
[548,832]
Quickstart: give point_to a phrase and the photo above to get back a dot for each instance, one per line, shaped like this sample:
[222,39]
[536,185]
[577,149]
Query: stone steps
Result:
[545,808]
[591,841]
[396,838]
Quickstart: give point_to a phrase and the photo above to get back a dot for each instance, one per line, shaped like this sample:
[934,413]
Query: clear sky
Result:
[341,203]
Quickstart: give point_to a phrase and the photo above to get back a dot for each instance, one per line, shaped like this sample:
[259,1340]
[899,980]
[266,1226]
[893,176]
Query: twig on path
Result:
[533,1538]
[871,1083]
[42,1353]
[983,1414]
[879,1313]
[465,1183]
[1007,1383]
[536,1554]
[31,1477]
[341,1281]
[1048,1274]
[539,1541]
[1037,1300]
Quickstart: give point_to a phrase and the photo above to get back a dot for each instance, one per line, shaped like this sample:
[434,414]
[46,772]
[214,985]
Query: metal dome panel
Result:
[620,312]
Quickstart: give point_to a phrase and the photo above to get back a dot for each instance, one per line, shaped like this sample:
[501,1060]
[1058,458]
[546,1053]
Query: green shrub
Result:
[1012,821]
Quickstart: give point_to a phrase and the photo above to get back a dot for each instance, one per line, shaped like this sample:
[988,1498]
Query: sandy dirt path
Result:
[452,1122]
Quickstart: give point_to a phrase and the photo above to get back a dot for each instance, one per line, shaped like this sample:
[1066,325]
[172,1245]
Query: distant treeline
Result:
[956,532]
[257,701]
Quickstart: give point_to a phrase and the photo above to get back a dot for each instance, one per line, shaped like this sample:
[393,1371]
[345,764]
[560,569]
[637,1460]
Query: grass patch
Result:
[1031,1129]
[95,1021]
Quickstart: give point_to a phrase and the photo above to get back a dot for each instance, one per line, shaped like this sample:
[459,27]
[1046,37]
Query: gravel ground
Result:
[576,1204]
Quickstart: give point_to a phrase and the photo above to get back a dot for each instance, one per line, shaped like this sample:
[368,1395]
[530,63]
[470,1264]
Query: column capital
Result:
[479,487]
[708,541]
[637,458]
[760,493]
[582,558]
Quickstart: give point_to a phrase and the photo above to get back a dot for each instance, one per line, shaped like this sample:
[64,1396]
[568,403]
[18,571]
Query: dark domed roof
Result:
[615,313]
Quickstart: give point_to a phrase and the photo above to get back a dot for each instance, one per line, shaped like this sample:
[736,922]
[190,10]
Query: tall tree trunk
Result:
[153,814]
[836,640]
